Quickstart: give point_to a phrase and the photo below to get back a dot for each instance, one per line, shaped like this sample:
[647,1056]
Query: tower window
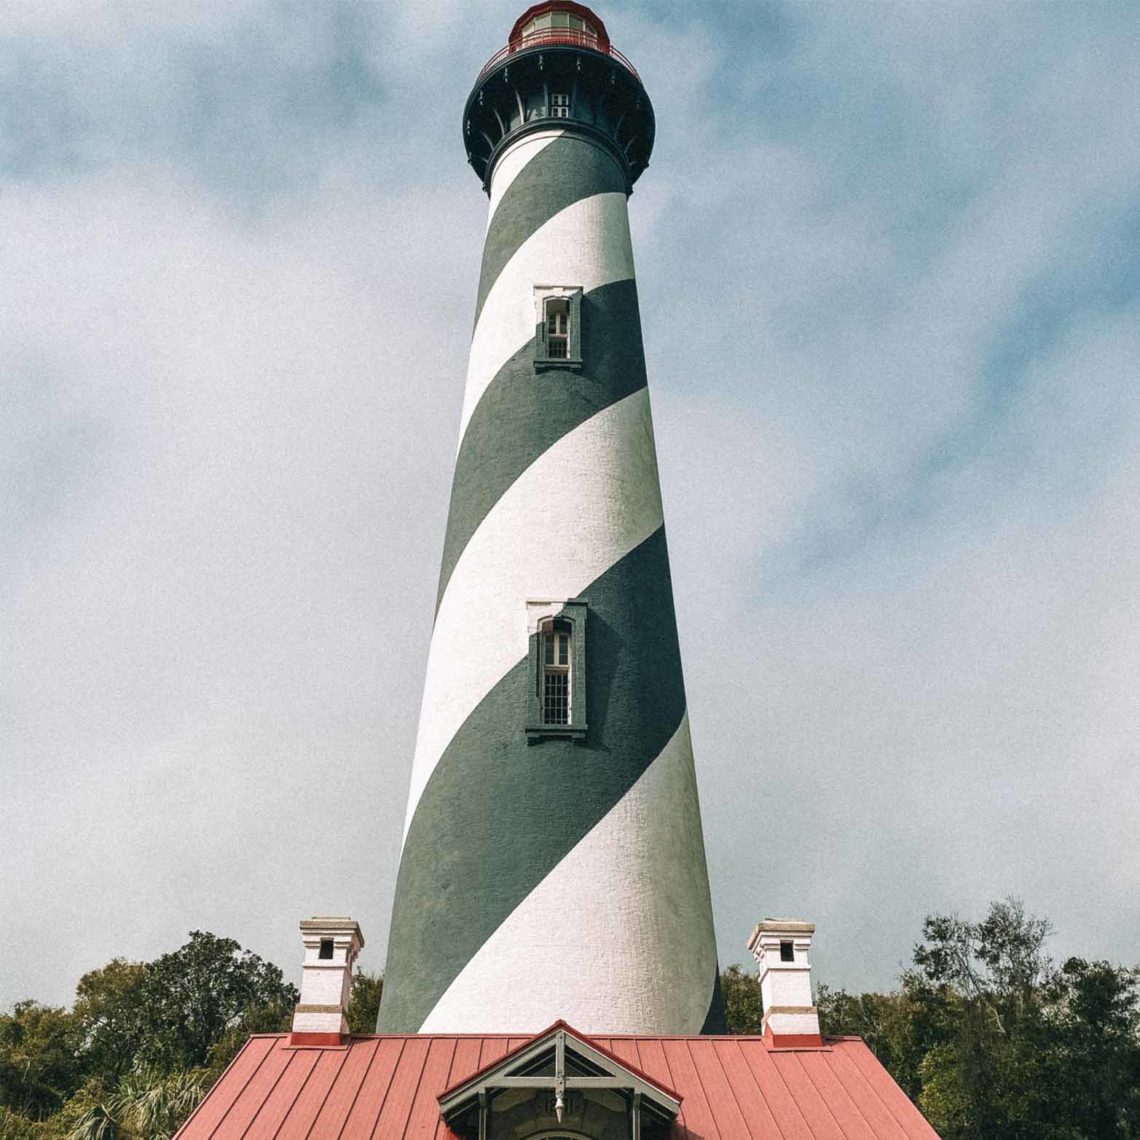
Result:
[560,106]
[326,950]
[556,676]
[559,341]
[787,952]
[556,703]
[558,328]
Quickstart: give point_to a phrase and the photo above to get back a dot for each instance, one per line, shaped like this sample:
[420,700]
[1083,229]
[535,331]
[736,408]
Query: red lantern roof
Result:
[561,6]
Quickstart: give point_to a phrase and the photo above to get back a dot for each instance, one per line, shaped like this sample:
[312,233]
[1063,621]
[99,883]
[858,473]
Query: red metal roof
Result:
[732,1088]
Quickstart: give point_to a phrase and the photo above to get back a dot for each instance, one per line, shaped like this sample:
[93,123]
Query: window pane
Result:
[563,650]
[556,698]
[560,19]
[549,649]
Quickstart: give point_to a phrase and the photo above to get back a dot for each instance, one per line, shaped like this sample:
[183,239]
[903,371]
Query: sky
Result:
[889,272]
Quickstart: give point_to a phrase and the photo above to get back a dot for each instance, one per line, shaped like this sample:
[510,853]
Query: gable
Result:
[560,1083]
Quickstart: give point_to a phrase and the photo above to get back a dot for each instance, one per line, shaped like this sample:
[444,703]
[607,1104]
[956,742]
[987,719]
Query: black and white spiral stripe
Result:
[560,880]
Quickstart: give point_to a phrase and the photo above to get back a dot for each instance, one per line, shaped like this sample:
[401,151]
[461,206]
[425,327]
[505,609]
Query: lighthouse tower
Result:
[553,864]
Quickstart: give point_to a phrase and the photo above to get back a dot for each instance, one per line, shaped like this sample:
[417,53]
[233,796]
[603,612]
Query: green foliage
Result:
[367,990]
[993,1041]
[40,1064]
[108,1006]
[890,1024]
[743,1009]
[988,1037]
[15,1126]
[146,1106]
[194,997]
[140,1046]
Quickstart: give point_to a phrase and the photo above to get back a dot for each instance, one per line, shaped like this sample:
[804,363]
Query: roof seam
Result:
[701,1085]
[359,1089]
[419,1085]
[735,1099]
[325,1098]
[301,1088]
[672,1084]
[216,1085]
[787,1089]
[823,1100]
[241,1091]
[388,1089]
[416,1089]
[265,1099]
[875,1092]
[759,1091]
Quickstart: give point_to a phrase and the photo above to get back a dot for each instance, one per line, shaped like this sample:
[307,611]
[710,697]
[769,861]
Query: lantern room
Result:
[559,22]
[558,70]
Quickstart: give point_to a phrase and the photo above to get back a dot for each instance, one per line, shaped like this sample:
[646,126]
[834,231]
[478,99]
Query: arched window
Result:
[556,699]
[556,658]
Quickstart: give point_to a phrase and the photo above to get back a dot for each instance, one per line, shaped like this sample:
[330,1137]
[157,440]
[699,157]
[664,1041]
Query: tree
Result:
[40,1062]
[145,1106]
[891,1024]
[743,1009]
[1092,1065]
[207,991]
[108,1008]
[977,988]
[367,990]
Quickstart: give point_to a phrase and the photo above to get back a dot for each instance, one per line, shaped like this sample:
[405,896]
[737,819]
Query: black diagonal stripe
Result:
[523,412]
[716,1020]
[497,815]
[565,171]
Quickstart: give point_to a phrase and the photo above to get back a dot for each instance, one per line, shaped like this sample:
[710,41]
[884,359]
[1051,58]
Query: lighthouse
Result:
[553,864]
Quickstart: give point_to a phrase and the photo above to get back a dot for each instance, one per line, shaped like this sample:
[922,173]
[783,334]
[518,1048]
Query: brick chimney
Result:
[331,947]
[780,947]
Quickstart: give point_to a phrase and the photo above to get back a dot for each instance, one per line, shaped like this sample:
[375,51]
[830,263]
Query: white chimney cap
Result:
[777,927]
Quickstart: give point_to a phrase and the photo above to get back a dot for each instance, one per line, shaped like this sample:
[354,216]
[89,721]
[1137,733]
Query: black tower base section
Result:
[589,91]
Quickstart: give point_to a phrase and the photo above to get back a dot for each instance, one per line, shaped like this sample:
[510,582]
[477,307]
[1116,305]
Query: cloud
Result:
[255,101]
[888,284]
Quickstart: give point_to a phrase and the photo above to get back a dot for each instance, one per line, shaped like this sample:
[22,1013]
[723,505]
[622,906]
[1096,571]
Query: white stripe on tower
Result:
[586,244]
[633,952]
[608,467]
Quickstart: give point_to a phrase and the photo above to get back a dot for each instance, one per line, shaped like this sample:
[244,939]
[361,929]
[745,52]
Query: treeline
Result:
[984,1032]
[989,1037]
[143,1042]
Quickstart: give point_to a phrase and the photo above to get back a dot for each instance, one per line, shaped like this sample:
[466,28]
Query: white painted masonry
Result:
[607,466]
[326,983]
[628,908]
[785,986]
[585,245]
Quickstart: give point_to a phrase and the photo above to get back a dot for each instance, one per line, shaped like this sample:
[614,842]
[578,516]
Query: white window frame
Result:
[543,358]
